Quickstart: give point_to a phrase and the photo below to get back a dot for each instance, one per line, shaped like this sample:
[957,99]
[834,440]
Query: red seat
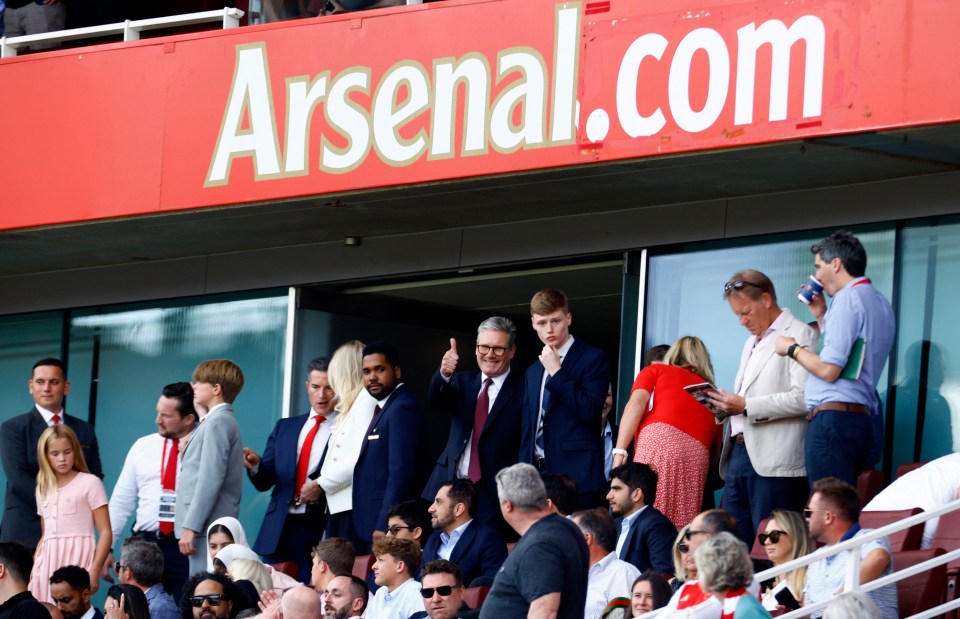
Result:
[474,596]
[948,538]
[906,467]
[869,485]
[289,568]
[362,566]
[757,551]
[922,591]
[907,539]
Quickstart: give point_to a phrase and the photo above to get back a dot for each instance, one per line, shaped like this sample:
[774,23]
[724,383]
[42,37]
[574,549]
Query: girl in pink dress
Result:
[70,502]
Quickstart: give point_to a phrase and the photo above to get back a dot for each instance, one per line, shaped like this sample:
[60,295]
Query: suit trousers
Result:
[751,497]
[198,560]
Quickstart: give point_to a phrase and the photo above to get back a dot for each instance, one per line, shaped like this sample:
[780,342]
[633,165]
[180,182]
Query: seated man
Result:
[141,565]
[70,590]
[833,514]
[16,564]
[442,590]
[332,557]
[209,596]
[609,577]
[300,602]
[476,548]
[345,598]
[399,594]
[645,536]
[562,492]
[410,520]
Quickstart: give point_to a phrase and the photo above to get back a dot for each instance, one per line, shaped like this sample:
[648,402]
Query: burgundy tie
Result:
[56,419]
[479,418]
[304,462]
[168,478]
[373,421]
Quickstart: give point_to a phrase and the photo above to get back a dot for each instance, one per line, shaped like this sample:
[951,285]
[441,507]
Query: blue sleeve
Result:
[266,475]
[843,324]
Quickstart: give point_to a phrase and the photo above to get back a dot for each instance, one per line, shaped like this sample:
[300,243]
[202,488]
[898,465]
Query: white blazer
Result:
[343,450]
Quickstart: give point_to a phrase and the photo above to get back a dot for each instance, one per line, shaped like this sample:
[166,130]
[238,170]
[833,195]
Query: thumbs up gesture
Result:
[448,365]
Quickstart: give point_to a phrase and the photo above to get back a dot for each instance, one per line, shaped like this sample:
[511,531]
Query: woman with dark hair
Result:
[650,591]
[126,602]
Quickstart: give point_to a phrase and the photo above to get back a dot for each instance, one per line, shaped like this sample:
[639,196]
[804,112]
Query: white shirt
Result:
[561,352]
[91,612]
[316,451]
[625,525]
[608,578]
[140,479]
[463,464]
[760,344]
[447,542]
[400,603]
[48,415]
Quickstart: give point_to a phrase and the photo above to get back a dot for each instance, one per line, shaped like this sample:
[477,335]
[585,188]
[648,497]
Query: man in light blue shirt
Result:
[845,424]
[141,565]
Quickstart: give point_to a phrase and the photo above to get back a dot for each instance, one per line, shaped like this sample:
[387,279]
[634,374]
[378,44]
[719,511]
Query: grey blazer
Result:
[211,473]
[776,414]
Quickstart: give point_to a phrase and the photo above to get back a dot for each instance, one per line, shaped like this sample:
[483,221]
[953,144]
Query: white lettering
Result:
[349,119]
[475,74]
[566,51]
[301,102]
[634,124]
[529,93]
[388,117]
[718,83]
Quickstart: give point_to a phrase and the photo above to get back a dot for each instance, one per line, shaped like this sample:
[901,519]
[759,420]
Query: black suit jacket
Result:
[499,441]
[649,542]
[18,449]
[480,551]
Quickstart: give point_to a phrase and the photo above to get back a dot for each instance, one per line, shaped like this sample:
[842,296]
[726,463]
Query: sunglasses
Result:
[773,536]
[683,547]
[689,533]
[444,591]
[739,284]
[117,567]
[213,598]
[809,512]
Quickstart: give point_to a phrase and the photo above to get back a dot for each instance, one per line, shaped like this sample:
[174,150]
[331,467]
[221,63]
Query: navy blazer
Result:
[278,470]
[499,440]
[390,467]
[18,448]
[479,552]
[649,542]
[571,425]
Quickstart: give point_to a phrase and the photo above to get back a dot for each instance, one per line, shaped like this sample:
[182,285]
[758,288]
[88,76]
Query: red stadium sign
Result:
[454,89]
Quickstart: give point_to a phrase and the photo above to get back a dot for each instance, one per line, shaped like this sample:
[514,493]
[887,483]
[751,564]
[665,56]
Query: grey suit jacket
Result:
[776,414]
[211,473]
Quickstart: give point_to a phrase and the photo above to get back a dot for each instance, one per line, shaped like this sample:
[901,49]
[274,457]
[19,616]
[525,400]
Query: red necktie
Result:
[479,418]
[56,419]
[304,462]
[168,478]
[373,420]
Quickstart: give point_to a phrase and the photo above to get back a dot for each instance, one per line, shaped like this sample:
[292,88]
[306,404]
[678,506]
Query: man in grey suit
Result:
[49,387]
[211,473]
[762,459]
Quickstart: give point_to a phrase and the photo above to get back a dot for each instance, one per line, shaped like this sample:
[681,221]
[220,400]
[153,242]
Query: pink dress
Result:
[68,530]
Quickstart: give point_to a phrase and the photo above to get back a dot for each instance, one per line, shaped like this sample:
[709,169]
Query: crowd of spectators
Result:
[536,495]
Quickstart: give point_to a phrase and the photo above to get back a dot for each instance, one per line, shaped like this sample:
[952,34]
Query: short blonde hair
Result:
[46,478]
[345,373]
[254,571]
[221,372]
[690,352]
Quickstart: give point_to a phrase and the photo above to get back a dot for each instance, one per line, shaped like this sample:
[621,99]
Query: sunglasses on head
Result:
[739,284]
[773,536]
[444,591]
[213,598]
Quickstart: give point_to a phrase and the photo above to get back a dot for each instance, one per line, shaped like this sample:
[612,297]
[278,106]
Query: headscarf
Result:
[236,532]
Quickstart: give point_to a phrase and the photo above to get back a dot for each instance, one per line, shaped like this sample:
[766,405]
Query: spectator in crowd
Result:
[608,577]
[73,503]
[386,473]
[399,594]
[149,479]
[221,533]
[725,572]
[442,589]
[23,17]
[845,429]
[608,432]
[562,493]
[300,602]
[126,602]
[346,598]
[762,458]
[684,567]
[656,354]
[254,572]
[851,605]
[476,548]
[650,591]
[210,596]
[142,565]
[211,469]
[486,409]
[48,387]
[71,591]
[524,585]
[644,535]
[833,518]
[786,538]
[233,552]
[564,393]
[15,601]
[354,411]
[677,436]
[410,520]
[294,520]
[332,557]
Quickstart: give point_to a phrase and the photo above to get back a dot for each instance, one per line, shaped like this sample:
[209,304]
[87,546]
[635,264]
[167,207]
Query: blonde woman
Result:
[786,538]
[677,435]
[249,569]
[355,408]
[684,567]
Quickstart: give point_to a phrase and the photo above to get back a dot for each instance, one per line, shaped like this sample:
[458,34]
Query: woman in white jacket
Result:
[355,408]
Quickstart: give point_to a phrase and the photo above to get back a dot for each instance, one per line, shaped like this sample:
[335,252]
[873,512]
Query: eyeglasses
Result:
[809,512]
[444,591]
[213,598]
[117,567]
[395,528]
[689,533]
[498,351]
[773,536]
[739,284]
[683,547]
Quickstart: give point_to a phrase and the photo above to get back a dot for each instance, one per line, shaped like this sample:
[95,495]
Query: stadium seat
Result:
[362,566]
[922,591]
[869,485]
[907,539]
[906,467]
[474,596]
[287,567]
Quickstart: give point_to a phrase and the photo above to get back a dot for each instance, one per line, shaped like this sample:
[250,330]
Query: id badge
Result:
[168,503]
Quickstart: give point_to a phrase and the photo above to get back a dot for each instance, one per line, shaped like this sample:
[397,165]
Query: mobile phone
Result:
[785,598]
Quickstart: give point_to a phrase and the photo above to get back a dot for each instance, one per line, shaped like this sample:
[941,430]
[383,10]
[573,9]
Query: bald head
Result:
[300,603]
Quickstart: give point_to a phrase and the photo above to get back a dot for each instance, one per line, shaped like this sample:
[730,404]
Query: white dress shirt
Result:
[625,525]
[140,479]
[608,578]
[463,464]
[48,415]
[447,542]
[400,603]
[316,452]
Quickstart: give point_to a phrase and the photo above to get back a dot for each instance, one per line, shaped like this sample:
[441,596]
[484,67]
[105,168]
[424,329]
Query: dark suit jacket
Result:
[278,470]
[390,467]
[571,425]
[18,449]
[480,551]
[649,542]
[499,441]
